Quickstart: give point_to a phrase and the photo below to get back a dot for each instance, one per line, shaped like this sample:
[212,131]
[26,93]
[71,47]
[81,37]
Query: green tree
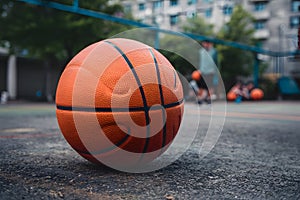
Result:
[178,51]
[235,62]
[52,35]
[197,25]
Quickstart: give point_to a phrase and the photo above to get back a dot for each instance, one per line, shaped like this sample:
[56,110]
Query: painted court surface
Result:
[256,157]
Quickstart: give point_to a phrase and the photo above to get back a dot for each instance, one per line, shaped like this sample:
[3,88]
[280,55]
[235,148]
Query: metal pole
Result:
[256,71]
[12,77]
[156,45]
[154,21]
[281,59]
[299,38]
[75,4]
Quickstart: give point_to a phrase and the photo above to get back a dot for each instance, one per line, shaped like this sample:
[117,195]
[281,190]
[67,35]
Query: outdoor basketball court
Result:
[256,157]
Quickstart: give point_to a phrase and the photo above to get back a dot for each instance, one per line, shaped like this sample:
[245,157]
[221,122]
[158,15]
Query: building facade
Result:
[25,78]
[276,21]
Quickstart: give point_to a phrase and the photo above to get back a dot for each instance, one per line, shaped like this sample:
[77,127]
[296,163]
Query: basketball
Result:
[231,96]
[257,94]
[196,75]
[119,97]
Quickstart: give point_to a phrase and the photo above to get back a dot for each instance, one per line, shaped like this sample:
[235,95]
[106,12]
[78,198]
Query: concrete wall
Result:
[31,82]
[30,78]
[3,72]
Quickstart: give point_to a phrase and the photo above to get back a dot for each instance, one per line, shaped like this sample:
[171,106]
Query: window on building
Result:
[142,6]
[296,6]
[173,2]
[174,19]
[227,10]
[258,25]
[191,14]
[208,13]
[260,6]
[191,2]
[295,21]
[157,4]
[127,8]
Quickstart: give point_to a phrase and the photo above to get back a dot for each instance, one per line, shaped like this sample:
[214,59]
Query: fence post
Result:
[75,4]
[256,70]
[156,44]
[12,76]
[299,38]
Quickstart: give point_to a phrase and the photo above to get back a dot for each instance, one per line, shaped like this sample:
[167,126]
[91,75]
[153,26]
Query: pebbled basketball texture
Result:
[119,95]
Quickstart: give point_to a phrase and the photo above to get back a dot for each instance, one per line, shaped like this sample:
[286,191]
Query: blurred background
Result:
[38,41]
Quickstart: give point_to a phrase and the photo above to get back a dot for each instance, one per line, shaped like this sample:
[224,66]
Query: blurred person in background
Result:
[246,90]
[208,60]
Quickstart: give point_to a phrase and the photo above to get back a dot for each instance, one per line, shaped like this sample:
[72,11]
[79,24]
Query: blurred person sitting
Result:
[246,90]
[207,66]
[199,87]
[236,92]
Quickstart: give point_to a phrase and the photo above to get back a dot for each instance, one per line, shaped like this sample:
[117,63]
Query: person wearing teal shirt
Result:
[207,67]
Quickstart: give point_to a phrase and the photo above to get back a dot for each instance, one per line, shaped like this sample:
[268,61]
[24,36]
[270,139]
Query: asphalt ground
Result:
[256,157]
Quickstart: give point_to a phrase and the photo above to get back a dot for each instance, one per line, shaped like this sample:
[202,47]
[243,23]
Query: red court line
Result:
[250,115]
[32,135]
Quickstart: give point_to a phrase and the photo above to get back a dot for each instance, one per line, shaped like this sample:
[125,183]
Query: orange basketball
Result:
[119,97]
[257,94]
[231,96]
[196,75]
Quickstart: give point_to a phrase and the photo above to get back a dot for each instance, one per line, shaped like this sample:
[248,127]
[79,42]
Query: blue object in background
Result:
[287,85]
[238,99]
[38,93]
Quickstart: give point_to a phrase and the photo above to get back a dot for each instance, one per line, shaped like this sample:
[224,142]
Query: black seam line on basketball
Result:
[161,98]
[132,109]
[108,149]
[140,88]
